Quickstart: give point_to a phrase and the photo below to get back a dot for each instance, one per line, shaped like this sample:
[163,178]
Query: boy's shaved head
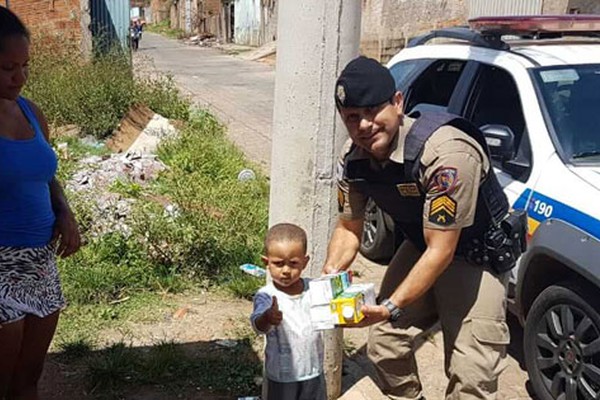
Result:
[285,233]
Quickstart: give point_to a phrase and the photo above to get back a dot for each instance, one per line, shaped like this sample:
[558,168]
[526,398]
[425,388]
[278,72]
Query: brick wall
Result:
[160,10]
[388,24]
[50,16]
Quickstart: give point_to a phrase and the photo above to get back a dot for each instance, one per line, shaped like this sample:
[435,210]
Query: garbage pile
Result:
[96,177]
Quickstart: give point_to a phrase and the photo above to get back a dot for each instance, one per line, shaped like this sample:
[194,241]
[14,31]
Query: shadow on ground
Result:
[213,370]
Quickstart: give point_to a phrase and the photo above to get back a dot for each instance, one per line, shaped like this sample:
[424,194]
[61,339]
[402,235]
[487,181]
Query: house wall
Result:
[387,25]
[160,10]
[247,22]
[69,19]
[584,6]
[55,17]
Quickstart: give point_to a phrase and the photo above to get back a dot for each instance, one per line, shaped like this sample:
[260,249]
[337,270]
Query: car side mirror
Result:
[500,140]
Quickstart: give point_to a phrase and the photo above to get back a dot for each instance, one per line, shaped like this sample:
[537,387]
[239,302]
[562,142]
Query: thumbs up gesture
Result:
[273,315]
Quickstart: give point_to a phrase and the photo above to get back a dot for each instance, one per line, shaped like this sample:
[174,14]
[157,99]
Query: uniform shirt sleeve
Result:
[262,302]
[351,202]
[453,167]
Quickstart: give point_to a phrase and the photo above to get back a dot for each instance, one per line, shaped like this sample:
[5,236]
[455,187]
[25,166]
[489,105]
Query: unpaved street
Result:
[240,94]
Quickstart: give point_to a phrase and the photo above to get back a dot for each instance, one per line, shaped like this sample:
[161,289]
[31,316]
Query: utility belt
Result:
[502,244]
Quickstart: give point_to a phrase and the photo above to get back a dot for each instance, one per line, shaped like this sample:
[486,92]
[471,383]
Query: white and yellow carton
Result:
[367,289]
[347,308]
[327,287]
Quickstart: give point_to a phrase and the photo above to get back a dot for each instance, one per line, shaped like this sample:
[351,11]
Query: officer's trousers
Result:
[470,304]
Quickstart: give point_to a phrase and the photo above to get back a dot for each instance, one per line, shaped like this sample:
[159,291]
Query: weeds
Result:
[94,94]
[113,370]
[213,223]
[164,28]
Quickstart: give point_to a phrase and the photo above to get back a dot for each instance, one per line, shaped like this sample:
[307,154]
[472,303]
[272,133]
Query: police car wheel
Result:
[377,242]
[562,345]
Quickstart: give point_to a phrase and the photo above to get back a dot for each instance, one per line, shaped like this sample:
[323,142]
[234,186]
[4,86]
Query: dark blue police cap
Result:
[364,82]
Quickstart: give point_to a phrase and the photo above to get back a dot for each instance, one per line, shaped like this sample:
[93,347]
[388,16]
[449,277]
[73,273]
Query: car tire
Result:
[377,242]
[562,344]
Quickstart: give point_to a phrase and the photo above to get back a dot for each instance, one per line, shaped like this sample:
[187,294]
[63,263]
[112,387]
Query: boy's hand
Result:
[273,315]
[329,269]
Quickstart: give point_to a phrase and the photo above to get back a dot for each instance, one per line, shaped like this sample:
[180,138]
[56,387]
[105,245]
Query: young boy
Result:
[294,351]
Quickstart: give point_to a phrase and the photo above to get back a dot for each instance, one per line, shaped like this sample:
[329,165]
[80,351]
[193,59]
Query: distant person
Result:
[135,32]
[294,351]
[36,223]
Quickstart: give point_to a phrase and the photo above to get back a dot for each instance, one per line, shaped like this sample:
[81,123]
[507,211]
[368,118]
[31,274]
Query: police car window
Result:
[404,72]
[434,87]
[496,101]
[572,96]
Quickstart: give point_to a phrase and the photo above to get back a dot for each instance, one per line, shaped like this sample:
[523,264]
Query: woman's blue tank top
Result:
[26,169]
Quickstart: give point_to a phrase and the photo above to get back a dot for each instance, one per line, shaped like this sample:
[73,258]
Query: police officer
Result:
[427,174]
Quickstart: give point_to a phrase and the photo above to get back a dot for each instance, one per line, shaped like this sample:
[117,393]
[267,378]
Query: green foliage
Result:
[112,267]
[94,94]
[219,221]
[233,371]
[164,28]
[113,368]
[213,224]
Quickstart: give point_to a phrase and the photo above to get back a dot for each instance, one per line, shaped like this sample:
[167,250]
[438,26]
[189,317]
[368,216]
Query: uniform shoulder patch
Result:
[443,210]
[444,179]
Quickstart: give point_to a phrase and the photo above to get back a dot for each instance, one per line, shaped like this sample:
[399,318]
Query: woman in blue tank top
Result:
[35,224]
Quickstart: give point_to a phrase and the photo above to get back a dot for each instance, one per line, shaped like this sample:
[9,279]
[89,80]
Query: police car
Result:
[532,85]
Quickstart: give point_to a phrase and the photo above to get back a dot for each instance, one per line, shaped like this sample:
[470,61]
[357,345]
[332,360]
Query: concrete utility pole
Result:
[315,40]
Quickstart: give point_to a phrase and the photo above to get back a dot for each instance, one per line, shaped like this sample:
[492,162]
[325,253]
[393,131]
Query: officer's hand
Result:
[373,315]
[273,315]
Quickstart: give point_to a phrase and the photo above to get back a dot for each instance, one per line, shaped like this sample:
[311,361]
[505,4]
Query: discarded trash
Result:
[253,270]
[228,343]
[246,175]
[172,211]
[91,142]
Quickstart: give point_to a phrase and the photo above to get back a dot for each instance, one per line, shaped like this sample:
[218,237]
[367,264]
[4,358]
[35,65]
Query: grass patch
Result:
[119,368]
[213,224]
[83,323]
[94,94]
[164,28]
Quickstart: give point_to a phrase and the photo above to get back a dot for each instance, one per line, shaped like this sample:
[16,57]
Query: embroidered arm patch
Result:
[443,210]
[444,180]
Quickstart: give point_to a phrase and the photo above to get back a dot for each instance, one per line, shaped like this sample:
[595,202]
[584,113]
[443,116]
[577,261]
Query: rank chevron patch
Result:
[442,211]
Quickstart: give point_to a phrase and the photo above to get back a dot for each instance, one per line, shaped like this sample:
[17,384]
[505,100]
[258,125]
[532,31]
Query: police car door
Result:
[495,104]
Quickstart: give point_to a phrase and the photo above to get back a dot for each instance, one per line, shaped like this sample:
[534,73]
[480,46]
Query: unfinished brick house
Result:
[387,25]
[81,20]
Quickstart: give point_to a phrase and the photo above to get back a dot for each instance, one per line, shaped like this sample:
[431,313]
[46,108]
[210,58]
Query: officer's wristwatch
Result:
[395,311]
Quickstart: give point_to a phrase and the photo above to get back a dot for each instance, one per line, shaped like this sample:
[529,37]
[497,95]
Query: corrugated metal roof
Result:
[482,8]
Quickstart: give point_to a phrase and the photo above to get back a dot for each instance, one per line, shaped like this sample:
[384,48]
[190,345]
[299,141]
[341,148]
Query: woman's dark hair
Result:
[10,25]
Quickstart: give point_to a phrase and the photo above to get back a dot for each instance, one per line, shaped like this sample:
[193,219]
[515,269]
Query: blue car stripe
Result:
[541,208]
